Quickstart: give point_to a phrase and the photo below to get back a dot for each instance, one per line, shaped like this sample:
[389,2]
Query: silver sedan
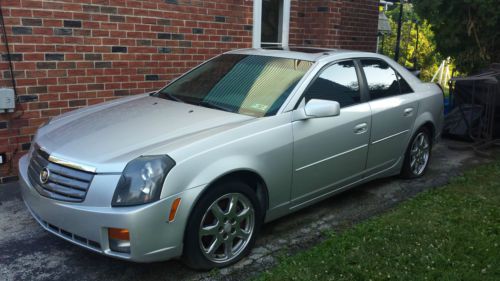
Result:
[194,169]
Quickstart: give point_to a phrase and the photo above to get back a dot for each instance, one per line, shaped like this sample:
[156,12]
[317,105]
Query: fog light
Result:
[119,240]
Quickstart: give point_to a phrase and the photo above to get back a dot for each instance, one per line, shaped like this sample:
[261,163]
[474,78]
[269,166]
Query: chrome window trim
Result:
[398,76]
[391,136]
[331,157]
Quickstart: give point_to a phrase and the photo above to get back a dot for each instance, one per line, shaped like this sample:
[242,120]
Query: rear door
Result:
[394,108]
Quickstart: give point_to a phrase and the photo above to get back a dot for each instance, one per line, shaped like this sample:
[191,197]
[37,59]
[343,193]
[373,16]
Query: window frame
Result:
[257,24]
[362,86]
[399,81]
[398,76]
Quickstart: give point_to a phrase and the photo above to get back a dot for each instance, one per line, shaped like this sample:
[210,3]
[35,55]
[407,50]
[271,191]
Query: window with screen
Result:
[271,22]
[246,84]
[338,82]
[381,79]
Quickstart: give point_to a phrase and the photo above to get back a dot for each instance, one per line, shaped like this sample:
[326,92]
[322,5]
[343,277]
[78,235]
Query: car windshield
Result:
[246,84]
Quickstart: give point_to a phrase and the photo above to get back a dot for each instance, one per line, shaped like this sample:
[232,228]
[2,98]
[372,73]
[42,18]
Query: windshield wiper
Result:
[213,105]
[171,97]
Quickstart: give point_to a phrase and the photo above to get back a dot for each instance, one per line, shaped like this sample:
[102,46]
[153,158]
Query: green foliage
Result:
[427,58]
[451,233]
[466,30]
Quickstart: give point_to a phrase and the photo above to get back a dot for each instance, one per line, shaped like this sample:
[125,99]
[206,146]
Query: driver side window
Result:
[337,82]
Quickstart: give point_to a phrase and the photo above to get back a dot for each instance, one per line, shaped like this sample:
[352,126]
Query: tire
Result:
[418,155]
[218,235]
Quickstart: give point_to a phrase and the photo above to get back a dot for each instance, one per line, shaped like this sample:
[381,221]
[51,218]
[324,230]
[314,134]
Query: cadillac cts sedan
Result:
[193,170]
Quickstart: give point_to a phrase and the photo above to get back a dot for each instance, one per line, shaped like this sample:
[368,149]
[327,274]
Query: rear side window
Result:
[337,82]
[405,87]
[381,79]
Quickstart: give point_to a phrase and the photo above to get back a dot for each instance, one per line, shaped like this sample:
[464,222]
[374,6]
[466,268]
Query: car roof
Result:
[326,55]
[298,52]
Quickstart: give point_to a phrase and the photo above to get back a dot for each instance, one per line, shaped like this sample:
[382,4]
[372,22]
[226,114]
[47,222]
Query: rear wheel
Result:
[222,227]
[417,155]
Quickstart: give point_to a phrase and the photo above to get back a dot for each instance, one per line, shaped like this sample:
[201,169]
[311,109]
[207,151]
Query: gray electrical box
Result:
[7,100]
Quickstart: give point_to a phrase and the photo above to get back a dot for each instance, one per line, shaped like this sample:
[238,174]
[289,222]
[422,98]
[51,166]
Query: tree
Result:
[466,30]
[426,58]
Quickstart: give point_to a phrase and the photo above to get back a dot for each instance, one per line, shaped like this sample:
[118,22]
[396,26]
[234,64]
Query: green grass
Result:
[451,233]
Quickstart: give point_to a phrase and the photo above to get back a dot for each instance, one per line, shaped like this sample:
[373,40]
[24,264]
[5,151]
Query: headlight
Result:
[142,180]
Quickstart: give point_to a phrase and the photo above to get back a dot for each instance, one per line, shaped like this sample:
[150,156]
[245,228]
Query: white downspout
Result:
[257,20]
[285,31]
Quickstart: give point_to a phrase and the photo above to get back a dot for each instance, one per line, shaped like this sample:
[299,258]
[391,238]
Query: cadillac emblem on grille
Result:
[44,175]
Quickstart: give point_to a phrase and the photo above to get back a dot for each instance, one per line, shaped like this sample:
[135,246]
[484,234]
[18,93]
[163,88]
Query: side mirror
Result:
[316,108]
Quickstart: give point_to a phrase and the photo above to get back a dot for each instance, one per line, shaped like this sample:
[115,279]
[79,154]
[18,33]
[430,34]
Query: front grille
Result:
[63,183]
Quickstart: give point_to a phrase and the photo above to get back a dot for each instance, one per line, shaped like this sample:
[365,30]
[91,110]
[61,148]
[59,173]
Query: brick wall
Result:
[74,53]
[358,25]
[336,24]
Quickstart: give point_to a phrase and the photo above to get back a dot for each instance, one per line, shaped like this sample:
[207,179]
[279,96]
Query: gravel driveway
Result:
[29,253]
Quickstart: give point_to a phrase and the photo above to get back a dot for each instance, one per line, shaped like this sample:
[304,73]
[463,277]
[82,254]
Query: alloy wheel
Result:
[226,227]
[419,154]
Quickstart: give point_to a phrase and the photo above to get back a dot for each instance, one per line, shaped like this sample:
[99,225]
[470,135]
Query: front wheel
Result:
[417,155]
[222,227]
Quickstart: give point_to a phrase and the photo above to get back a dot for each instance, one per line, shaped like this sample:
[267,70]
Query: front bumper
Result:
[152,237]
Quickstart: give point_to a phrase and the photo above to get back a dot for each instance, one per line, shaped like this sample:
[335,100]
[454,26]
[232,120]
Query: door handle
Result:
[360,128]
[408,112]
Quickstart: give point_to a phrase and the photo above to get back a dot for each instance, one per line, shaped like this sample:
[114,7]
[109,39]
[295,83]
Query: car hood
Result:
[108,136]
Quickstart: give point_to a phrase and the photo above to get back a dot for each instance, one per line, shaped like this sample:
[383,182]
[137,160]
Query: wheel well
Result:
[253,179]
[429,126]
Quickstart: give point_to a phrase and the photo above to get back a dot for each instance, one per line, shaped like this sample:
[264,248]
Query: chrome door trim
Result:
[331,157]
[391,136]
[342,188]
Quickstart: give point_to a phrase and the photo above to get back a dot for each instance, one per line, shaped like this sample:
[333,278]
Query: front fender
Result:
[264,148]
[223,167]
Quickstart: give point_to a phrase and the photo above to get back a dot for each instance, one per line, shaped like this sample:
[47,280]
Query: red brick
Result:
[57,88]
[91,73]
[21,13]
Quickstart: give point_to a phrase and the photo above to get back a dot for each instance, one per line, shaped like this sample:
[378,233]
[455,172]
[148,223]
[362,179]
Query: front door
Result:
[331,152]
